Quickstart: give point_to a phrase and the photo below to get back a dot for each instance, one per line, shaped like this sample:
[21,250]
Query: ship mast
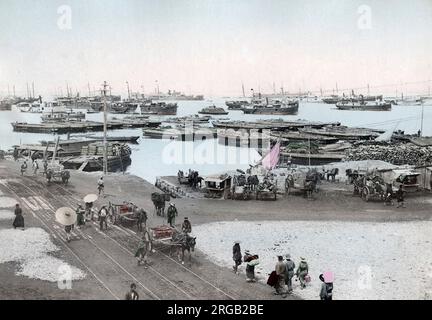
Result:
[105,161]
[422,112]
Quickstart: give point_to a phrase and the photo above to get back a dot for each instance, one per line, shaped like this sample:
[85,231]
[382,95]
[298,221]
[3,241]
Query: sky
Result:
[213,46]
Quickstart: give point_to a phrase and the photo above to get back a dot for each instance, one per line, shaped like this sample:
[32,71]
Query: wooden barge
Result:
[243,138]
[92,155]
[274,124]
[81,126]
[315,158]
[182,134]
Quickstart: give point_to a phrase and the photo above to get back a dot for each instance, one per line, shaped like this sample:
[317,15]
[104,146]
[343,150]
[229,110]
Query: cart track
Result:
[110,266]
[187,288]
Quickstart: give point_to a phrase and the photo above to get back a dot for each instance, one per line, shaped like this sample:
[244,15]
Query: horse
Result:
[253,182]
[194,179]
[184,242]
[159,203]
[332,174]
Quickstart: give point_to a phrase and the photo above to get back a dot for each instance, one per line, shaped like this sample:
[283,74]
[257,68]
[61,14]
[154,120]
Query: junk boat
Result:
[213,110]
[92,155]
[159,108]
[289,107]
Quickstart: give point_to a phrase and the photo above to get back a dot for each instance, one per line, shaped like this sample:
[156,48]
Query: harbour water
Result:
[152,158]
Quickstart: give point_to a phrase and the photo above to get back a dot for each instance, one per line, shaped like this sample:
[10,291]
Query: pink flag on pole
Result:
[272,158]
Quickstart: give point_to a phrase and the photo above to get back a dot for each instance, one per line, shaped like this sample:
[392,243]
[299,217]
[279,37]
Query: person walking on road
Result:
[171,214]
[68,230]
[302,271]
[35,167]
[80,216]
[141,219]
[103,213]
[144,246]
[23,167]
[400,197]
[290,267]
[101,186]
[280,269]
[237,256]
[45,167]
[19,218]
[132,294]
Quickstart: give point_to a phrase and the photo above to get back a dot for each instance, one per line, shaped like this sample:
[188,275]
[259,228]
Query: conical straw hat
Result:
[65,216]
[90,198]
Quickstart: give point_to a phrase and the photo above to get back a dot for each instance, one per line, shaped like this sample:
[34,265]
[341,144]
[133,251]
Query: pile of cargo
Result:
[397,153]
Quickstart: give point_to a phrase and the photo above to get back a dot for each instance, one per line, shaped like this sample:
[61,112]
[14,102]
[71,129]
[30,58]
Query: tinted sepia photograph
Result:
[210,150]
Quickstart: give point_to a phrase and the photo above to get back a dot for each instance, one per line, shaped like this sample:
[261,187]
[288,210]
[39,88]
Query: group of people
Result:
[34,166]
[281,277]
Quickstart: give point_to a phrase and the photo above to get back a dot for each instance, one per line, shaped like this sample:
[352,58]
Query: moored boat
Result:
[364,105]
[213,110]
[289,107]
[159,108]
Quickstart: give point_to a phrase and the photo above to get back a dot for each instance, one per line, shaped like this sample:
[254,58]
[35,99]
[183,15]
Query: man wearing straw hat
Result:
[66,217]
[302,271]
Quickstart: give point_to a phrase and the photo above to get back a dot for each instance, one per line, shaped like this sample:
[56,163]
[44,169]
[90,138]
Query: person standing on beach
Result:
[280,269]
[290,267]
[302,271]
[326,292]
[19,218]
[237,256]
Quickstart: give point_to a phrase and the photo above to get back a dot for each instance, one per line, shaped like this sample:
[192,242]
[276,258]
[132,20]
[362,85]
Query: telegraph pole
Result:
[105,153]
